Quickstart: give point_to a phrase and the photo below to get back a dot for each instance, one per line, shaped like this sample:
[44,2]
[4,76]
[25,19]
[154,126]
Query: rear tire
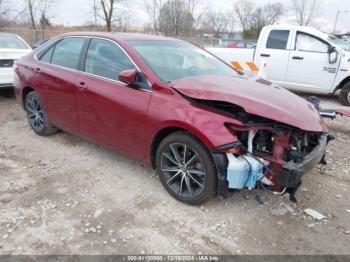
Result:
[186,168]
[344,96]
[37,116]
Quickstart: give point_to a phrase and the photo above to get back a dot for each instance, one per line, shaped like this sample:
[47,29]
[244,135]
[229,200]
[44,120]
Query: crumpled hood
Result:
[258,97]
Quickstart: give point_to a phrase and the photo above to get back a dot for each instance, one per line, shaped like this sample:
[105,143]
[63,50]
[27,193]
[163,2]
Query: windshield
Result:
[172,60]
[11,41]
[339,42]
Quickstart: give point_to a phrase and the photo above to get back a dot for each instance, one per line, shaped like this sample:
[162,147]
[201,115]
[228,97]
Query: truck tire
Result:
[344,96]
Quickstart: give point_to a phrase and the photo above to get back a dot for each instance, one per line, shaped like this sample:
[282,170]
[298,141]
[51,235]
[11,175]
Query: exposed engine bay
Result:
[267,154]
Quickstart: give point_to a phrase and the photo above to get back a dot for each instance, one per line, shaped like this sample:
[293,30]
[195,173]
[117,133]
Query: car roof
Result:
[123,36]
[8,34]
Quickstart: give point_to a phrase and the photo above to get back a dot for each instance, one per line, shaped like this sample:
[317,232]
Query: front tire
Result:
[344,96]
[37,116]
[186,168]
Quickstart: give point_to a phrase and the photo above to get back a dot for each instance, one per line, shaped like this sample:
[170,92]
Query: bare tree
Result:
[263,16]
[45,6]
[122,21]
[304,10]
[107,10]
[243,10]
[39,12]
[273,12]
[153,11]
[192,5]
[113,13]
[4,9]
[218,23]
[256,22]
[95,11]
[30,5]
[175,18]
[10,12]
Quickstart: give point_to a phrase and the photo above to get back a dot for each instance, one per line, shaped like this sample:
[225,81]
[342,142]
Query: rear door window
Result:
[67,52]
[106,59]
[278,39]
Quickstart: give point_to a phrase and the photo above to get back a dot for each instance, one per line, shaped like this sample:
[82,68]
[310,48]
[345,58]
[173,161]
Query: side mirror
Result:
[128,76]
[333,55]
[134,78]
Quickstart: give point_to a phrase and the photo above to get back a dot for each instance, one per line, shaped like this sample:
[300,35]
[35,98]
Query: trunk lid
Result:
[13,54]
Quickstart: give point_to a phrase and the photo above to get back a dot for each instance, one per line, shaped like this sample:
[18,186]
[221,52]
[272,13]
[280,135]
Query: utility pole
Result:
[95,14]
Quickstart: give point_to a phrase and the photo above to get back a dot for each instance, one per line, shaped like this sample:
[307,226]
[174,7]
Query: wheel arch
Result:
[26,90]
[166,131]
[342,83]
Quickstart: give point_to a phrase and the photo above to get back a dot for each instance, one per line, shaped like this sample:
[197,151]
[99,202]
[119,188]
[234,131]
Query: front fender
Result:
[175,111]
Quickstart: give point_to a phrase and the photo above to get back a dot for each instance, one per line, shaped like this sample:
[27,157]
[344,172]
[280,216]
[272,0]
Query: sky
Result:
[78,12]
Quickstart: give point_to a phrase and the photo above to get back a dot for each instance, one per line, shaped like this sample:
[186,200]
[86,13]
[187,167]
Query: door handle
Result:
[265,55]
[298,57]
[37,69]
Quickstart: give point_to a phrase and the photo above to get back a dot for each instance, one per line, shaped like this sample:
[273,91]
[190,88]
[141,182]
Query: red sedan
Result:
[205,128]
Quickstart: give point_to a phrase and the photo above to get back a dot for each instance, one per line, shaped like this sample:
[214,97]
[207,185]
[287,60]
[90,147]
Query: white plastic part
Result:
[244,171]
[314,214]
[255,171]
[263,70]
[237,171]
[251,136]
[266,181]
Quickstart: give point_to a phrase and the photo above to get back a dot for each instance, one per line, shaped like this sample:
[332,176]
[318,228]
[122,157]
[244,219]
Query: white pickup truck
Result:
[298,58]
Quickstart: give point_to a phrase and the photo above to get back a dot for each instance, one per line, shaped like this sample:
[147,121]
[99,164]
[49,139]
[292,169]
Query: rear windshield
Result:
[11,41]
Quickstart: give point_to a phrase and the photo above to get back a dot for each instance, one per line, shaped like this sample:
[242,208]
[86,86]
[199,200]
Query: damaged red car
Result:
[205,128]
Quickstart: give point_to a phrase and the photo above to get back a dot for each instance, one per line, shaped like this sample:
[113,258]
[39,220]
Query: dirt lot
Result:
[63,195]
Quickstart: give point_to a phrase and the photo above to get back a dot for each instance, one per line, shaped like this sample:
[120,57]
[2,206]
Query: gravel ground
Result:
[63,195]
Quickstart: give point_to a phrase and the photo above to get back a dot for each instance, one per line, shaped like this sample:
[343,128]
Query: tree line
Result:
[170,17]
[178,17]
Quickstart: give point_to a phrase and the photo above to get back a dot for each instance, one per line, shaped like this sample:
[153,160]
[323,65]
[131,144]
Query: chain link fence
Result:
[32,36]
[35,36]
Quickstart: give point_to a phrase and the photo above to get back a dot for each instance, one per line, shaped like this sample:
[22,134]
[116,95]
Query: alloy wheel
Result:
[35,113]
[183,170]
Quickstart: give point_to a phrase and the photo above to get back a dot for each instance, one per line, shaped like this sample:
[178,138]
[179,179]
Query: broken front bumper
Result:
[291,173]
